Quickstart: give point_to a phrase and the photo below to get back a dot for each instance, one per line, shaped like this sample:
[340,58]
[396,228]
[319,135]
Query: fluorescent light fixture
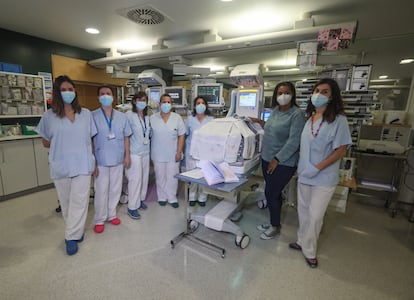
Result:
[226,0]
[92,30]
[383,77]
[406,61]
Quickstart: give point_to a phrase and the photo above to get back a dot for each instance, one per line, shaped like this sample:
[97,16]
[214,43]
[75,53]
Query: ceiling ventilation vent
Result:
[145,15]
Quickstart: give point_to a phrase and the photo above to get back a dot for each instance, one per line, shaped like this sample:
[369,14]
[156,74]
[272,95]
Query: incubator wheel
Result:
[243,241]
[193,225]
[262,204]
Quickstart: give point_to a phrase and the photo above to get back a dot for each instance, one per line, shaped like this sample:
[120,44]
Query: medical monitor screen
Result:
[212,93]
[249,102]
[177,95]
[248,98]
[266,114]
[154,94]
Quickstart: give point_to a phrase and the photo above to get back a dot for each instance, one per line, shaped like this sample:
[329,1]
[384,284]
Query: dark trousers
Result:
[275,183]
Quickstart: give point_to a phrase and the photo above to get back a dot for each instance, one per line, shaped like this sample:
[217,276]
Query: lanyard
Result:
[109,122]
[315,134]
[144,127]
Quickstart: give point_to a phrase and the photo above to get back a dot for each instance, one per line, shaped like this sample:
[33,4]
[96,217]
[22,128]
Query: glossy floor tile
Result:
[363,254]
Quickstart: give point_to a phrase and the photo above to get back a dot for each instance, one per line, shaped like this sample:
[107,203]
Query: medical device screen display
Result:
[248,98]
[212,93]
[177,95]
[154,94]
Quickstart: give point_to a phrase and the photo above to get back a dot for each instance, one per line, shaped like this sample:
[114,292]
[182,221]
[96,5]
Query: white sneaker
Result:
[270,233]
[263,227]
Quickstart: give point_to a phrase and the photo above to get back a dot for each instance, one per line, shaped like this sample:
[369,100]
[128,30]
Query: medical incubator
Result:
[235,140]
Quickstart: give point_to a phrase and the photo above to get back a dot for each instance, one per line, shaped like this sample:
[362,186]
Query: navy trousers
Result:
[275,183]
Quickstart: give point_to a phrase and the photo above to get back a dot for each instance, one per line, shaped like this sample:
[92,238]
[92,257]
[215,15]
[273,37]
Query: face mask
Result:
[106,100]
[200,109]
[284,99]
[319,100]
[165,107]
[68,96]
[140,105]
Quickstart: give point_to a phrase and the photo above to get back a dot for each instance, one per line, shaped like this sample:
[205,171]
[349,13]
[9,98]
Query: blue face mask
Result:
[106,100]
[68,96]
[140,105]
[165,107]
[200,109]
[319,100]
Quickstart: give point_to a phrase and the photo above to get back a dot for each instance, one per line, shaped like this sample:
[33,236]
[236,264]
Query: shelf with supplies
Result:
[21,95]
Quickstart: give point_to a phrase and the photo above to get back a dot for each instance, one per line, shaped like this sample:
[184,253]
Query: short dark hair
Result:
[58,106]
[290,86]
[139,95]
[194,112]
[335,106]
[104,86]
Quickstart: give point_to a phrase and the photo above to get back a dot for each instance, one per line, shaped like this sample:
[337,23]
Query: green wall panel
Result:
[33,53]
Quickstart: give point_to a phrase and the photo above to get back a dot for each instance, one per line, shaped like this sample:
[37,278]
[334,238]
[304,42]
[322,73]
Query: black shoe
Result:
[202,204]
[192,203]
[295,246]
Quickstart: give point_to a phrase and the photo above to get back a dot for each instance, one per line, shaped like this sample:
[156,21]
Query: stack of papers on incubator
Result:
[217,173]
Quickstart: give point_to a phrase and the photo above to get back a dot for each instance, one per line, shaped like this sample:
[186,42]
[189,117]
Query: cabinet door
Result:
[42,162]
[17,165]
[1,184]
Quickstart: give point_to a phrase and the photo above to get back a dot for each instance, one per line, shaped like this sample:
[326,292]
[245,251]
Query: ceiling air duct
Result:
[247,43]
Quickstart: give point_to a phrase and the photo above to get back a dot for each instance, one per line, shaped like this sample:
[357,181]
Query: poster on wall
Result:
[333,39]
[307,55]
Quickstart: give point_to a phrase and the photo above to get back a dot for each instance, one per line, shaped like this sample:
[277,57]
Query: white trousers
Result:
[312,204]
[137,175]
[195,190]
[166,183]
[108,187]
[73,194]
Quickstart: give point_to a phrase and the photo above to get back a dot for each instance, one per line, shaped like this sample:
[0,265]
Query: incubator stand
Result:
[218,217]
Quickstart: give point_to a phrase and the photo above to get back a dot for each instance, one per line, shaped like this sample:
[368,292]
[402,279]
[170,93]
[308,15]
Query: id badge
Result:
[146,141]
[111,135]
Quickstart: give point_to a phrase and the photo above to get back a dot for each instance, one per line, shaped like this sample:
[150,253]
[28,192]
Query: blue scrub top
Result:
[282,136]
[110,151]
[315,149]
[165,136]
[139,144]
[70,152]
[191,124]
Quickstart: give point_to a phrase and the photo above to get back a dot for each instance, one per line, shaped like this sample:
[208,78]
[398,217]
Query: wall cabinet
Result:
[17,166]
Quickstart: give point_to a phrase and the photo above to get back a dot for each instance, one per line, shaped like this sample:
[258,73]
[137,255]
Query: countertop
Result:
[18,137]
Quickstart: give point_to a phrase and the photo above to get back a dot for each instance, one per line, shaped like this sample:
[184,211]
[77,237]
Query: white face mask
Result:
[284,99]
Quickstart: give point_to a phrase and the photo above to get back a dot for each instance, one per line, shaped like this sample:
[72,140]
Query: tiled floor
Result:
[363,254]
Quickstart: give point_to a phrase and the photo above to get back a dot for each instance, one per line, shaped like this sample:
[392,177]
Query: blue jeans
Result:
[275,183]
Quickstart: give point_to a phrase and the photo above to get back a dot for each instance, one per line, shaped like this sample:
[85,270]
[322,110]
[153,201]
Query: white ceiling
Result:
[385,28]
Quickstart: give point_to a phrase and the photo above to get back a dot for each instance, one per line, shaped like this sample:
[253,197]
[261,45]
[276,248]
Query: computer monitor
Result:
[248,102]
[212,92]
[177,94]
[266,114]
[154,94]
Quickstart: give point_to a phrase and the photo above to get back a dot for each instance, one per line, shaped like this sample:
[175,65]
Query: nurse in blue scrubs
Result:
[138,172]
[67,130]
[167,144]
[111,146]
[325,139]
[200,116]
